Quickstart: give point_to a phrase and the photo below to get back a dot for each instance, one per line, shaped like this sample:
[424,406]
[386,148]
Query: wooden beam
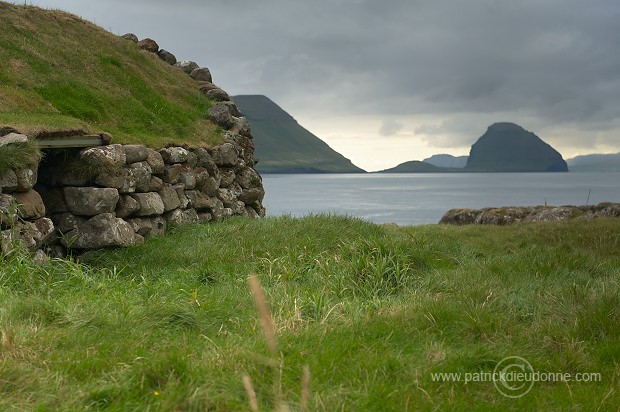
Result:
[70,141]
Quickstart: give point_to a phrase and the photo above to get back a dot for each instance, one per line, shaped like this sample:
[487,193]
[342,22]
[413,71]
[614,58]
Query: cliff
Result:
[507,147]
[283,145]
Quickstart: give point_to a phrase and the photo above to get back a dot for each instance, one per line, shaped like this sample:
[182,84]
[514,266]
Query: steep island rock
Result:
[507,147]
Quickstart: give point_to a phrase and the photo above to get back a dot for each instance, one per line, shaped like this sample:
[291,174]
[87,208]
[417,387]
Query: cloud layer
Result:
[553,63]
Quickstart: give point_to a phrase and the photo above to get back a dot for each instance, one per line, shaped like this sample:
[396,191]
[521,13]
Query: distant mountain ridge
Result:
[595,163]
[446,160]
[284,146]
[415,166]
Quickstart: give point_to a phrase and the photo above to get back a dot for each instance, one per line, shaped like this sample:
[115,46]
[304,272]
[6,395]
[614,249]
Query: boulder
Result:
[142,226]
[131,37]
[217,95]
[13,138]
[187,66]
[68,222]
[201,74]
[206,86]
[225,155]
[171,173]
[232,108]
[155,184]
[204,160]
[251,213]
[8,181]
[179,217]
[101,231]
[180,189]
[169,197]
[248,178]
[90,201]
[30,235]
[135,153]
[126,206]
[229,195]
[39,258]
[217,211]
[174,155]
[199,200]
[155,160]
[122,179]
[243,127]
[159,226]
[188,178]
[220,115]
[141,172]
[26,179]
[167,57]
[8,210]
[30,205]
[149,45]
[253,195]
[227,177]
[111,155]
[150,204]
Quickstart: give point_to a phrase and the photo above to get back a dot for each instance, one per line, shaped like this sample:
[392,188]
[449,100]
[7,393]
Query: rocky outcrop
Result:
[509,215]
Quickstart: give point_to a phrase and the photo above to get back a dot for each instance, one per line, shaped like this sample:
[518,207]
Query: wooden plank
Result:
[70,141]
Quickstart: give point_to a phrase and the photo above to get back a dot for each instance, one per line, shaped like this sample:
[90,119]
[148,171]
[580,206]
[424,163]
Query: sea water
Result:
[421,198]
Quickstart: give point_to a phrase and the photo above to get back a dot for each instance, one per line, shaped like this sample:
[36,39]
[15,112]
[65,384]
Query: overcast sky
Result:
[386,81]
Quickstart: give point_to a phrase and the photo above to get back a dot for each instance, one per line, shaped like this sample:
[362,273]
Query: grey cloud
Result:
[390,127]
[555,60]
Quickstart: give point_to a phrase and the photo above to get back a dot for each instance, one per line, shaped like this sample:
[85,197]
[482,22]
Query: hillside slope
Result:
[507,147]
[284,146]
[58,71]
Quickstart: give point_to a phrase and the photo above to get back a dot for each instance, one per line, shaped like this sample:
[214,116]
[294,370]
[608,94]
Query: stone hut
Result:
[110,195]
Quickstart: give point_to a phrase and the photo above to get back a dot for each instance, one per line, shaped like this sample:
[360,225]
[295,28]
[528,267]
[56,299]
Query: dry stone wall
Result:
[137,192]
[116,195]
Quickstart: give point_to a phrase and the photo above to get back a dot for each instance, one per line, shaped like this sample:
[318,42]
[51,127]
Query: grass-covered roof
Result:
[58,71]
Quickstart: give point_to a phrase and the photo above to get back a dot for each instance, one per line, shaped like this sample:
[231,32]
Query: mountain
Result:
[415,166]
[507,147]
[595,163]
[284,146]
[446,160]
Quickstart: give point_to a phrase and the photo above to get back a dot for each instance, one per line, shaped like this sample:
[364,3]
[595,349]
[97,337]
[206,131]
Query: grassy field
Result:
[58,71]
[374,312]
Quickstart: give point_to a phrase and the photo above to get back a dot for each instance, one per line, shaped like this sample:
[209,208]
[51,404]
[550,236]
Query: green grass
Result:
[373,311]
[15,156]
[58,71]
